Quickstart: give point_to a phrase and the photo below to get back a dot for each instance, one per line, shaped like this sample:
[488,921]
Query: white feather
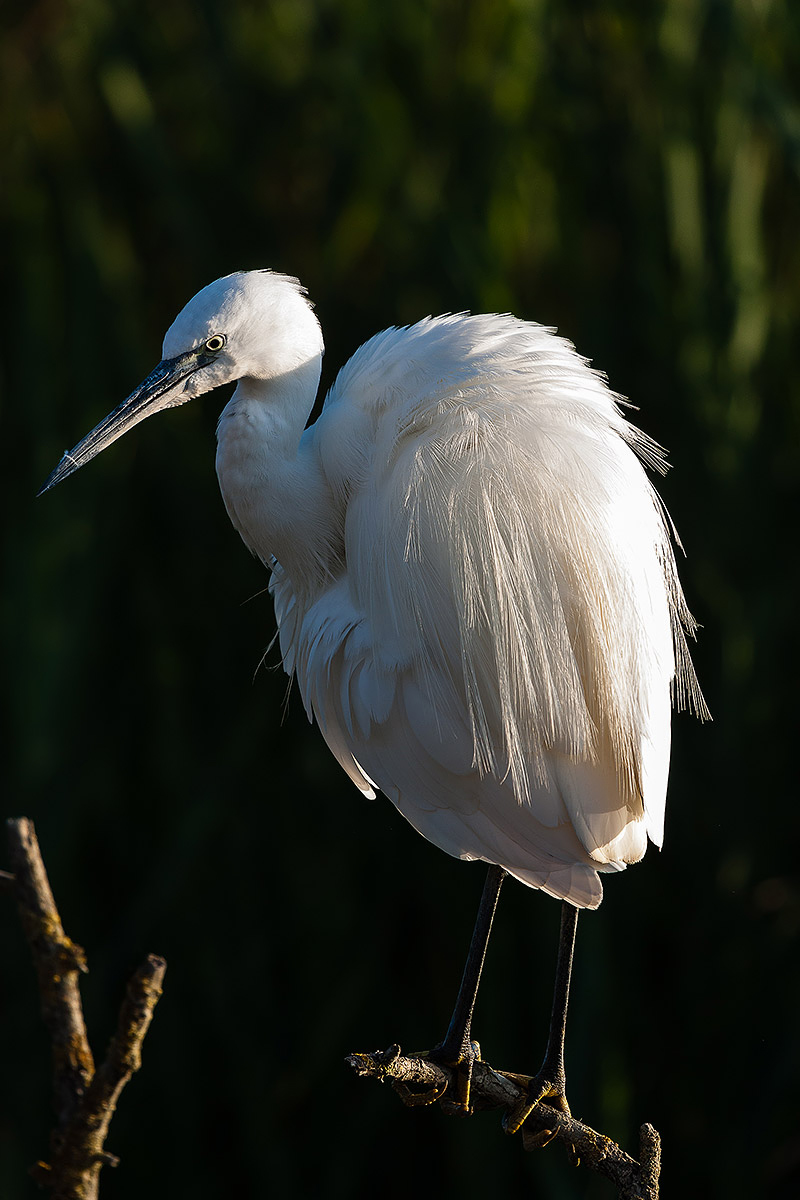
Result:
[497,645]
[473,578]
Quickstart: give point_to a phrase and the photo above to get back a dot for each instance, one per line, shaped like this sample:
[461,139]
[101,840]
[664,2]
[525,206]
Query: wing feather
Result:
[499,654]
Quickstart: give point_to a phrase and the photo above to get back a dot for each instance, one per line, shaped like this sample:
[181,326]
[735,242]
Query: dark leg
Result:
[553,1065]
[457,1049]
[549,1085]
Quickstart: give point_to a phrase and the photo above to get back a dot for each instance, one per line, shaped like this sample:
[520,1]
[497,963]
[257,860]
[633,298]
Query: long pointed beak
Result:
[149,397]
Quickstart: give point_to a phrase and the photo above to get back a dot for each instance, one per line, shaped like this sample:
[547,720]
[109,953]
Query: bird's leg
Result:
[457,1049]
[549,1085]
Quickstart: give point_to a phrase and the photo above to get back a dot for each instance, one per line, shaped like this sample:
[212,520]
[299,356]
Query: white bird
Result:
[473,579]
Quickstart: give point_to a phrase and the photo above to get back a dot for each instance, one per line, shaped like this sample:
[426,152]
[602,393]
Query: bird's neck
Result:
[270,477]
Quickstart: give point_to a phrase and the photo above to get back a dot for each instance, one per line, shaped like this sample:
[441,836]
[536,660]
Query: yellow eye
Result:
[215,343]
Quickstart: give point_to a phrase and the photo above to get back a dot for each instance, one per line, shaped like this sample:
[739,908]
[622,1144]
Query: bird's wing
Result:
[498,657]
[383,730]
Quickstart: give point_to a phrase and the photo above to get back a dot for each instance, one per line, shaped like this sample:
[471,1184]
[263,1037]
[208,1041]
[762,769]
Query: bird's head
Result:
[253,324]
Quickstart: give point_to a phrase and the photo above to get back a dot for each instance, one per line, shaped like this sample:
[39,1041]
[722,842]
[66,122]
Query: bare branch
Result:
[420,1081]
[79,1150]
[58,963]
[85,1099]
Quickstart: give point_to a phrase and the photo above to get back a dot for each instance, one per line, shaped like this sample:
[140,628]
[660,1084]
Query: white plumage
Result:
[473,577]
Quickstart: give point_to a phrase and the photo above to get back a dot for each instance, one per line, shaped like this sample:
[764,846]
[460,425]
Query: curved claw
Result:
[418,1099]
[470,1054]
[538,1140]
[539,1091]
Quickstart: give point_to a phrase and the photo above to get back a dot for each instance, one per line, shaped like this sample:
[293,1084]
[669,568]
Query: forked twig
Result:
[84,1098]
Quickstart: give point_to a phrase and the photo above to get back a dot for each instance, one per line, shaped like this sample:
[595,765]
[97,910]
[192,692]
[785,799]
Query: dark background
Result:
[625,171]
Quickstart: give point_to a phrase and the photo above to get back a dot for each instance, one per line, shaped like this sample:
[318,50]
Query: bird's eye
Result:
[215,343]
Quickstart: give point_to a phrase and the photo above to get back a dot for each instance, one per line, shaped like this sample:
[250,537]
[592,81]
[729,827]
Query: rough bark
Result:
[84,1097]
[419,1081]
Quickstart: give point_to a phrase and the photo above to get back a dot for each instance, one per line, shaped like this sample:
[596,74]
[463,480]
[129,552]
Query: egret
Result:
[473,579]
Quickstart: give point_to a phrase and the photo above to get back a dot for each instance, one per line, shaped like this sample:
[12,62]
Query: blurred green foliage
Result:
[627,172]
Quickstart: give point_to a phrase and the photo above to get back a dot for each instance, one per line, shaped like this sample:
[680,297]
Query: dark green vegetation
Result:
[625,171]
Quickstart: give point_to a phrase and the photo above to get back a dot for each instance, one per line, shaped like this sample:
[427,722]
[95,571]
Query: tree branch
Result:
[420,1081]
[58,962]
[84,1098]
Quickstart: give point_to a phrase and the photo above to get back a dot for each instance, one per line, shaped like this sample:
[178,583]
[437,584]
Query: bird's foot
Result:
[538,1090]
[462,1062]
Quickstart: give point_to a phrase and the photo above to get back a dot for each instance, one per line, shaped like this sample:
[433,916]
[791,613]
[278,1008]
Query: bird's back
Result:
[498,650]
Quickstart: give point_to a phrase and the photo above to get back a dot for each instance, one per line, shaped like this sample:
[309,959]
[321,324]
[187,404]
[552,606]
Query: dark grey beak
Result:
[150,396]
